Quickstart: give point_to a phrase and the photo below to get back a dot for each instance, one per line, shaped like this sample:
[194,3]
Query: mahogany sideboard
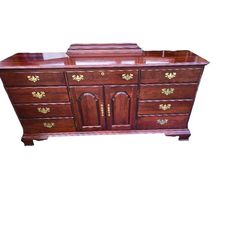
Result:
[102,89]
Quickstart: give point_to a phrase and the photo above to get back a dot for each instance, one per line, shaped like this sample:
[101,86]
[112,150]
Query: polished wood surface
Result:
[62,60]
[102,89]
[25,95]
[33,78]
[170,122]
[91,77]
[42,110]
[176,91]
[153,107]
[37,125]
[181,75]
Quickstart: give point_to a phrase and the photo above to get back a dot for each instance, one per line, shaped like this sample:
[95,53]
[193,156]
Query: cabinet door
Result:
[88,107]
[121,106]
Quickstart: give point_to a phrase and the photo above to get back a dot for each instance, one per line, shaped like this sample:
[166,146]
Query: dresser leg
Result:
[27,142]
[183,134]
[184,137]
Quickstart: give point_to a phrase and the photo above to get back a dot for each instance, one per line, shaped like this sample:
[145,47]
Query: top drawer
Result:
[32,78]
[173,74]
[90,77]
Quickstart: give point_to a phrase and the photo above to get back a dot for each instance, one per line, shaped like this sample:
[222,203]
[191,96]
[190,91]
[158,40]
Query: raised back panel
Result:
[100,50]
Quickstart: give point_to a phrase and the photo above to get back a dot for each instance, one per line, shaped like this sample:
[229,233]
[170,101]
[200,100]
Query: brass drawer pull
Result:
[108,110]
[162,121]
[43,110]
[102,73]
[170,75]
[164,107]
[78,78]
[49,125]
[33,78]
[39,95]
[102,110]
[127,76]
[167,91]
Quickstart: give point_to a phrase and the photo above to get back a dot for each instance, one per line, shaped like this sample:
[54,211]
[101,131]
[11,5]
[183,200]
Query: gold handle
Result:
[162,121]
[164,107]
[167,91]
[49,125]
[102,110]
[102,73]
[170,75]
[33,78]
[127,76]
[78,78]
[43,110]
[39,95]
[108,110]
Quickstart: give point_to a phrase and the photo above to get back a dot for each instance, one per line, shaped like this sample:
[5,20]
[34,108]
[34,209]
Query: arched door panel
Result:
[89,107]
[121,106]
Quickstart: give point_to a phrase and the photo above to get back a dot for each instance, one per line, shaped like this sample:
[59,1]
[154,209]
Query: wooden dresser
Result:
[102,89]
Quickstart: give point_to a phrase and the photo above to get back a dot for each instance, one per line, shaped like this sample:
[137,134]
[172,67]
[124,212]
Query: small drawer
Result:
[175,75]
[48,125]
[38,94]
[32,78]
[162,122]
[151,107]
[168,91]
[43,110]
[87,77]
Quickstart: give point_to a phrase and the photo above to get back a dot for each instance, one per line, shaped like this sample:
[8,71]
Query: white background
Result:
[124,184]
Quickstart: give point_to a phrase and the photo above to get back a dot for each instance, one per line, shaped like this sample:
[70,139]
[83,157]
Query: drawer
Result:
[164,106]
[168,91]
[42,110]
[33,78]
[162,122]
[89,77]
[169,75]
[38,94]
[48,125]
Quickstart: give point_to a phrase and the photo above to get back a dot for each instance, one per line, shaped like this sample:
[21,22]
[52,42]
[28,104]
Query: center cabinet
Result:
[104,100]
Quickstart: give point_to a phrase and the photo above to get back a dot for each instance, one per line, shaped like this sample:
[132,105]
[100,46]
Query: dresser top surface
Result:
[62,60]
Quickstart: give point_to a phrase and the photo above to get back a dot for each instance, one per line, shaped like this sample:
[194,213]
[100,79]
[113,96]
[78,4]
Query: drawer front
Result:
[48,125]
[169,75]
[168,91]
[86,77]
[33,78]
[162,122]
[43,110]
[164,107]
[38,94]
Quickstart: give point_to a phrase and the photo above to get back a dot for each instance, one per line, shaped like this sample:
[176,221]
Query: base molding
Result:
[28,139]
